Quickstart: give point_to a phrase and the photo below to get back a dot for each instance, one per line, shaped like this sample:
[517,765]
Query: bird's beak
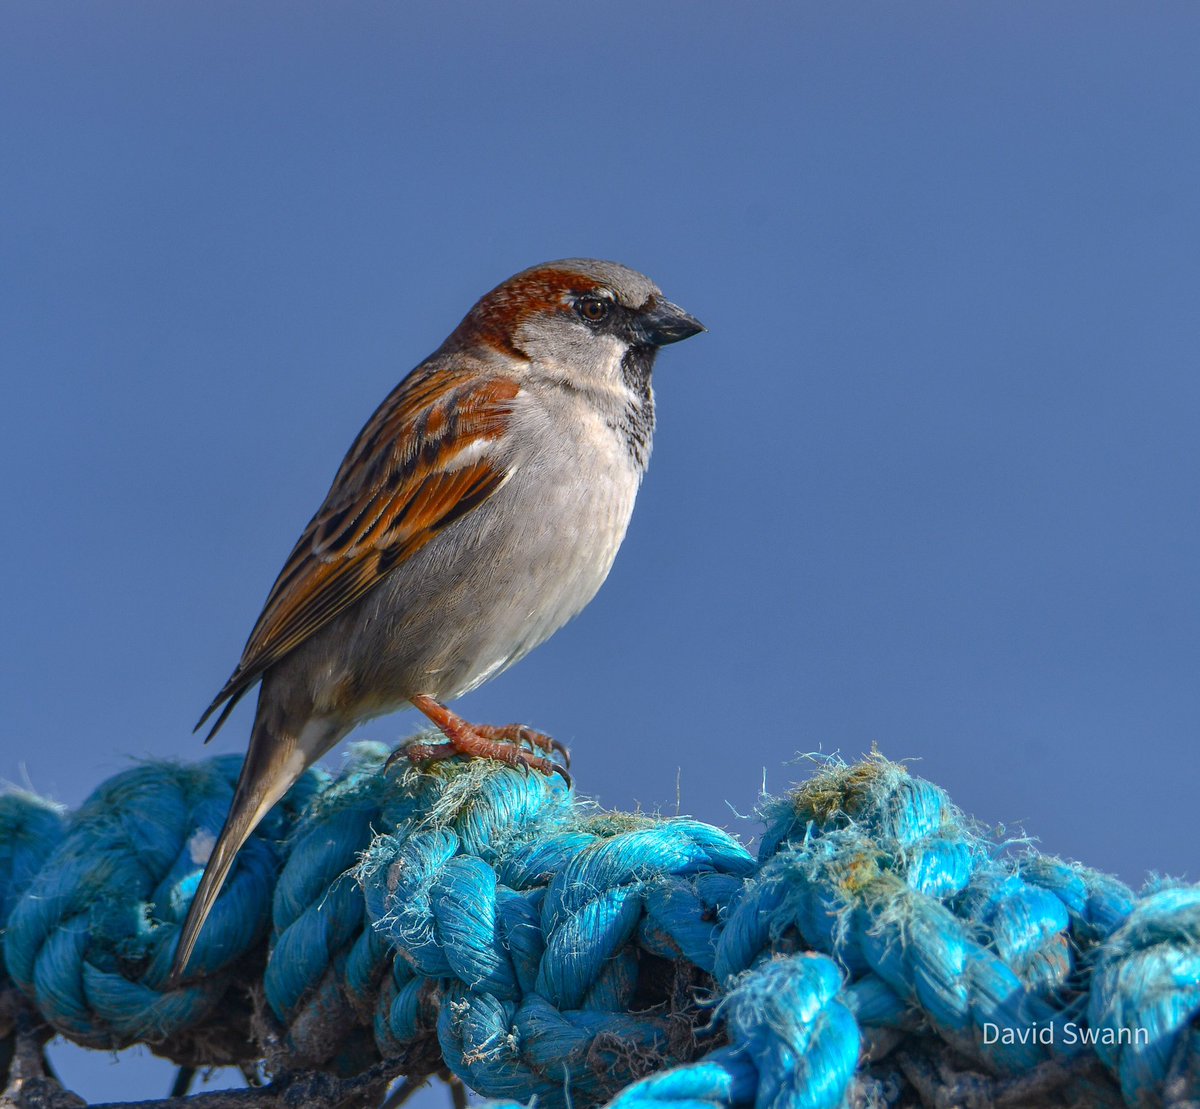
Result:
[662,322]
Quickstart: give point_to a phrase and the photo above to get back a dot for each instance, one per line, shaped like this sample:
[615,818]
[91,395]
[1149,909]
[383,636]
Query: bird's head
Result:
[578,316]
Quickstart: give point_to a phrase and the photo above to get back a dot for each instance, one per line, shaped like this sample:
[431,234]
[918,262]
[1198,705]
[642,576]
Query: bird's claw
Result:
[522,733]
[515,745]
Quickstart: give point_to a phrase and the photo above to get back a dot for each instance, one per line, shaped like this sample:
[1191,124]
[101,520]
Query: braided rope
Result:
[879,950]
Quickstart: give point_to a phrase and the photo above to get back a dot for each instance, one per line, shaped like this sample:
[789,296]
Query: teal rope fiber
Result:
[878,950]
[29,829]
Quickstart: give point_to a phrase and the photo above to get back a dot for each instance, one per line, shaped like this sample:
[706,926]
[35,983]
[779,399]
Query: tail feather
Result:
[230,705]
[231,693]
[273,763]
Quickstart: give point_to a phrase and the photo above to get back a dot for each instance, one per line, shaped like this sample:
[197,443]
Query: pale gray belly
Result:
[475,599]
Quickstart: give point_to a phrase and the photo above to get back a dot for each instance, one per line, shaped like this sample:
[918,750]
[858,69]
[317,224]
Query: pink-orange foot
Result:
[520,733]
[486,741]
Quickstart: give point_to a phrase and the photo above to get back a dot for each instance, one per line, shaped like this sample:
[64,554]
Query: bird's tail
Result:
[273,763]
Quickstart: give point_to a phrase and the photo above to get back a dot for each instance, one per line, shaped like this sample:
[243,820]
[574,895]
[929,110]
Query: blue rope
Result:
[29,829]
[879,949]
[90,940]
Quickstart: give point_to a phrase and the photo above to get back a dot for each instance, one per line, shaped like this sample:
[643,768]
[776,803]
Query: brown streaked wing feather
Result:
[393,493]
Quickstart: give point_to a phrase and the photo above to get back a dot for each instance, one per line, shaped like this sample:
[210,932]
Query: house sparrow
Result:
[479,510]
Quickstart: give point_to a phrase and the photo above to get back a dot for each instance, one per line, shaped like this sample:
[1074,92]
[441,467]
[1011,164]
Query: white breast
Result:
[510,573]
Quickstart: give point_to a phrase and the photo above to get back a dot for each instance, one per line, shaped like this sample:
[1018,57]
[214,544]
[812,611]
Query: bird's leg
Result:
[484,742]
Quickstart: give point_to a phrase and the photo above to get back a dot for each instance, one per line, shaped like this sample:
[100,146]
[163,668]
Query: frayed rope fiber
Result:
[878,950]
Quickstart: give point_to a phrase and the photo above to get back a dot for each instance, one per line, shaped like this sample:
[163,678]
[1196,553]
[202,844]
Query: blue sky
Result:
[930,480]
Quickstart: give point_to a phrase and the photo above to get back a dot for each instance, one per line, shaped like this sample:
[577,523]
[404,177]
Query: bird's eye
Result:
[592,309]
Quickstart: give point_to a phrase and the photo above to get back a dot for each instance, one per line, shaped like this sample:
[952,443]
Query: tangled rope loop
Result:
[879,950]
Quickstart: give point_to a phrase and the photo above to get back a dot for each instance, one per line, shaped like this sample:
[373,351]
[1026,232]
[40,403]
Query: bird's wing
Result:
[424,460]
